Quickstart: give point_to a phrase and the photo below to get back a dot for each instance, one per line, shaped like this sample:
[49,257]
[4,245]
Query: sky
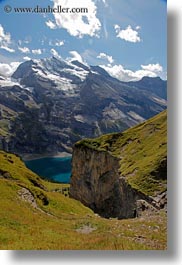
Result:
[125,37]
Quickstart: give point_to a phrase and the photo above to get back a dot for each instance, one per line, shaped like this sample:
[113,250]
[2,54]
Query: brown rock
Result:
[97,184]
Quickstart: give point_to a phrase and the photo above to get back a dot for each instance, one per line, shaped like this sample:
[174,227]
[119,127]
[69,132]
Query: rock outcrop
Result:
[97,184]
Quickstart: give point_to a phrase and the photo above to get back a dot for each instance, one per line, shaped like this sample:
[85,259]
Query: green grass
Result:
[4,127]
[142,150]
[54,226]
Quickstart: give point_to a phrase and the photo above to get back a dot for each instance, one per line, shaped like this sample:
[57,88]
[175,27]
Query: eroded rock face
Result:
[96,182]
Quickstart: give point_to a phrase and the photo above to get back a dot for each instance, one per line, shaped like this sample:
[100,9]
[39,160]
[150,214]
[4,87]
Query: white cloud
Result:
[119,72]
[37,52]
[50,24]
[81,23]
[5,40]
[59,43]
[128,34]
[7,70]
[24,49]
[156,68]
[4,36]
[105,57]
[55,53]
[76,56]
[26,58]
[7,48]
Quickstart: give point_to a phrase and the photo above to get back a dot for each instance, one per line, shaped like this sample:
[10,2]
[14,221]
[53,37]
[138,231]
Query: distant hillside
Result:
[112,172]
[153,85]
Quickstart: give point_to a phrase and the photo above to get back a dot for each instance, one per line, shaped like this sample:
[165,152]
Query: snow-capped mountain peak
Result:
[62,74]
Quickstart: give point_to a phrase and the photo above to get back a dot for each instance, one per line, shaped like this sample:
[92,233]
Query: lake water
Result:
[56,169]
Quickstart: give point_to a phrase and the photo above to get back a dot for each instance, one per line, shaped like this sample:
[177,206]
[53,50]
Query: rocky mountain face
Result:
[122,174]
[97,184]
[49,104]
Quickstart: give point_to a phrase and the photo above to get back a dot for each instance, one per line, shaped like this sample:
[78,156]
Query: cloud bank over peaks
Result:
[77,24]
[119,72]
[75,56]
[7,70]
[156,68]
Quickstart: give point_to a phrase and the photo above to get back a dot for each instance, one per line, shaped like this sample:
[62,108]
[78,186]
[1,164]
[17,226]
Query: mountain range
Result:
[49,104]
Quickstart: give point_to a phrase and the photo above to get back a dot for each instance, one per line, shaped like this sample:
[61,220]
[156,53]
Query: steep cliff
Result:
[116,173]
[96,183]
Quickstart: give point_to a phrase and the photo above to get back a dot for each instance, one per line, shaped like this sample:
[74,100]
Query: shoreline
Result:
[28,157]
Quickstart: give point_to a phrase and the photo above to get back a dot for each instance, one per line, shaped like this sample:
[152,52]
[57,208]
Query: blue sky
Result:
[126,37]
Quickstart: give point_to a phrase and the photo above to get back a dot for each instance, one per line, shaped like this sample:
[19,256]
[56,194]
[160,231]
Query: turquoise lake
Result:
[56,169]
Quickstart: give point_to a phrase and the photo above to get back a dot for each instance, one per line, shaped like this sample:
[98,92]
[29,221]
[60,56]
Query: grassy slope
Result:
[141,151]
[55,226]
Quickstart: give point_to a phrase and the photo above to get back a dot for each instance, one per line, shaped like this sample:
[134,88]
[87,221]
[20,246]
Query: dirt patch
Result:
[86,229]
